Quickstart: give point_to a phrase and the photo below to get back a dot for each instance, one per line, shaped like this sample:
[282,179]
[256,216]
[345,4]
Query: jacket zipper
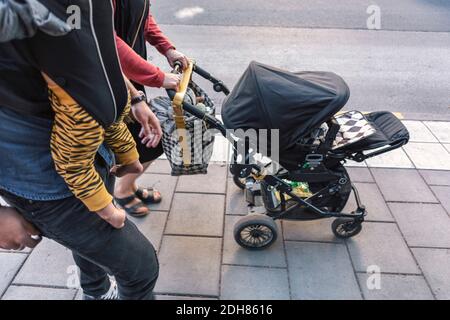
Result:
[91,17]
[140,24]
[115,47]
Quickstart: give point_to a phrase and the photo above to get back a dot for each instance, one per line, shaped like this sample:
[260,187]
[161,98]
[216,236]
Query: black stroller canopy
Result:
[295,103]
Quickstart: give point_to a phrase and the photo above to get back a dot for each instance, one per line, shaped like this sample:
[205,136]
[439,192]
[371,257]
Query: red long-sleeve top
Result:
[134,66]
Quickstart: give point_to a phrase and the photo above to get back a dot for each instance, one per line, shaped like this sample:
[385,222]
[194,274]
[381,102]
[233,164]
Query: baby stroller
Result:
[315,141]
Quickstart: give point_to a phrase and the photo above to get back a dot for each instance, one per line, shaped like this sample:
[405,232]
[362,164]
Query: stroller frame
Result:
[258,231]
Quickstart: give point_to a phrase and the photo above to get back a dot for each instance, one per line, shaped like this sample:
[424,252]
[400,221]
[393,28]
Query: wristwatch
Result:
[139,98]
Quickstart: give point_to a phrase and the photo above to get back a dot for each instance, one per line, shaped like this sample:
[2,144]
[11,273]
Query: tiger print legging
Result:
[74,142]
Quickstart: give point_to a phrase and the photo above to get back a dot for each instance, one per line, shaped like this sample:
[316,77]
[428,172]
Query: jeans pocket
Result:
[21,204]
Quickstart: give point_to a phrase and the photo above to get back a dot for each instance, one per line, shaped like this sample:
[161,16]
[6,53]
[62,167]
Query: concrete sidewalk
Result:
[406,237]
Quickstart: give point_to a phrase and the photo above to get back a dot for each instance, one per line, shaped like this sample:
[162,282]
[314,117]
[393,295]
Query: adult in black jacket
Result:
[85,64]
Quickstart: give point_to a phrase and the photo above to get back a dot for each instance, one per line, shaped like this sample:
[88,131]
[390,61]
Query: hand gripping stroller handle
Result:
[177,67]
[187,74]
[179,105]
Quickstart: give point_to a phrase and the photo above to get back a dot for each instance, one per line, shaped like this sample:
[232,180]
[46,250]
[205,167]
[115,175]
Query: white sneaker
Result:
[112,294]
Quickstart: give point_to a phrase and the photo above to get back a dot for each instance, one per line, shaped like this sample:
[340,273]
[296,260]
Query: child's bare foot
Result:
[121,170]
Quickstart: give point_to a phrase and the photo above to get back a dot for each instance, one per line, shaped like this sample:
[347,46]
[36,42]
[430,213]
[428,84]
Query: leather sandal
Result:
[132,210]
[150,195]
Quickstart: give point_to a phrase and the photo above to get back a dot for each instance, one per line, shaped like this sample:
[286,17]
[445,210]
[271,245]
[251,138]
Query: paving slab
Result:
[402,185]
[314,230]
[47,265]
[440,129]
[393,159]
[418,131]
[235,254]
[38,293]
[353,164]
[320,271]
[436,177]
[373,200]
[435,264]
[25,250]
[236,204]
[160,166]
[381,245]
[10,264]
[196,214]
[447,146]
[221,152]
[189,266]
[428,156]
[423,225]
[152,226]
[164,183]
[251,283]
[443,194]
[396,287]
[212,182]
[79,295]
[360,174]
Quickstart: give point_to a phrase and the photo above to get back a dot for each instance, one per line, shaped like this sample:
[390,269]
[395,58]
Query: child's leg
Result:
[75,140]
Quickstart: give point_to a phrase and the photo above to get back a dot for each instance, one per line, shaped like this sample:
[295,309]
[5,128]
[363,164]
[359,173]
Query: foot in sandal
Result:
[148,195]
[133,206]
[135,202]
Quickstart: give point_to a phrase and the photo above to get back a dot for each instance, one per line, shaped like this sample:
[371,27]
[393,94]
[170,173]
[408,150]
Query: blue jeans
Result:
[98,248]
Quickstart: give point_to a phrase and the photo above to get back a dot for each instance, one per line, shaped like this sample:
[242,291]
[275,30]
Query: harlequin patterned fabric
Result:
[353,127]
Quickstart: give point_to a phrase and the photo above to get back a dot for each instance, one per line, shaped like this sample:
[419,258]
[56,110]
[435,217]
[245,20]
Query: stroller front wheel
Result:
[239,182]
[344,228]
[255,231]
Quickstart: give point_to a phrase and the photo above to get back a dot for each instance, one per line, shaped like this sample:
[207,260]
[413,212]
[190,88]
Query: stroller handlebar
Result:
[177,97]
[218,85]
[212,121]
[177,67]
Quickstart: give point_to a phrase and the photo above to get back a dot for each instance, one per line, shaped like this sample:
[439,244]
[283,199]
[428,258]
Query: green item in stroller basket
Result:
[200,139]
[300,189]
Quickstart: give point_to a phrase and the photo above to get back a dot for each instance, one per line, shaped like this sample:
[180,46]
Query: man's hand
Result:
[151,132]
[173,55]
[114,216]
[16,232]
[171,81]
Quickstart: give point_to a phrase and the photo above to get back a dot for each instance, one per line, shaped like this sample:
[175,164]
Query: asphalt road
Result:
[412,15]
[404,67]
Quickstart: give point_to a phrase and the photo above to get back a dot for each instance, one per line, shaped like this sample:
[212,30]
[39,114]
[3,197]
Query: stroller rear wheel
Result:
[344,228]
[255,231]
